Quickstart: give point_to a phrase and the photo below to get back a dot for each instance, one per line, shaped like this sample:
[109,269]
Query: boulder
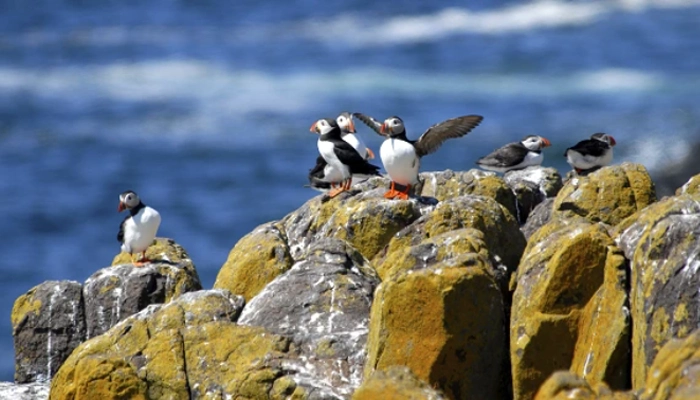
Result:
[257,259]
[690,187]
[675,373]
[24,391]
[48,322]
[114,293]
[322,304]
[564,385]
[663,244]
[607,195]
[539,216]
[448,184]
[531,186]
[188,348]
[365,219]
[499,232]
[570,308]
[396,383]
[445,320]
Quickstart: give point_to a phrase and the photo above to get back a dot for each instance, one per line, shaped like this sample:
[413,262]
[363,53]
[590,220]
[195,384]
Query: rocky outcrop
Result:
[257,259]
[675,373]
[322,304]
[114,293]
[570,308]
[539,216]
[531,186]
[690,187]
[48,322]
[607,195]
[396,383]
[663,244]
[24,391]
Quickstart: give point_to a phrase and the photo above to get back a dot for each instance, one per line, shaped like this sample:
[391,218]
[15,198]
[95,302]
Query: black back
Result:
[589,147]
[506,156]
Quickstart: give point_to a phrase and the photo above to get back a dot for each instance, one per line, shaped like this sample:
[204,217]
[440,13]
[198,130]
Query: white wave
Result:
[655,151]
[544,14]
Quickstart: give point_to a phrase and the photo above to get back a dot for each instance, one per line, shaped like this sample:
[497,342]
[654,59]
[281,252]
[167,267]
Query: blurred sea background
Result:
[204,107]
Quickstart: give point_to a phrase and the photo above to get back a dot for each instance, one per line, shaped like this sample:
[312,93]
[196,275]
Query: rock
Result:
[674,173]
[445,185]
[663,244]
[504,243]
[396,383]
[163,249]
[690,187]
[114,293]
[570,308]
[48,322]
[187,348]
[564,385]
[531,186]
[366,220]
[24,391]
[539,216]
[446,322]
[675,373]
[323,305]
[257,259]
[607,195]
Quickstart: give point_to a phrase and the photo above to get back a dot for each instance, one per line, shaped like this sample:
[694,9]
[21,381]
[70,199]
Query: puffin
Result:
[322,175]
[342,160]
[591,153]
[138,230]
[401,156]
[516,155]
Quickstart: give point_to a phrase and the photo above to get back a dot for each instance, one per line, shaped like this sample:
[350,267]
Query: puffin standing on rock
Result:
[138,230]
[591,154]
[516,155]
[341,158]
[401,156]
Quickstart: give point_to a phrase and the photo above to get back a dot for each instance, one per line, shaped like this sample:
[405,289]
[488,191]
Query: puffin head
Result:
[323,126]
[128,200]
[604,137]
[535,143]
[345,123]
[392,126]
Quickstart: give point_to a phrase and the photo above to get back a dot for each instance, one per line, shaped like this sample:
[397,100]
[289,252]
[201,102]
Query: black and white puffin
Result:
[340,156]
[591,153]
[516,155]
[138,230]
[322,175]
[401,156]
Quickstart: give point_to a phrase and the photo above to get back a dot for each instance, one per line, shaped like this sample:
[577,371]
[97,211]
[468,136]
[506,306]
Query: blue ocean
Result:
[204,107]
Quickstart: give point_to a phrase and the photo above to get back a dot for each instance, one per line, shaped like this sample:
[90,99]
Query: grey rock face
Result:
[322,303]
[114,293]
[532,186]
[25,391]
[48,322]
[538,217]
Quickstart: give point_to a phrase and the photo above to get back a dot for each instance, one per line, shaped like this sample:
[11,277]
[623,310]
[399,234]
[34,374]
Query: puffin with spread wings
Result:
[401,156]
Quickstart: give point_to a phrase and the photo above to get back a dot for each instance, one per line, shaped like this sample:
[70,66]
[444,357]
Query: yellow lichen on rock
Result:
[569,297]
[675,373]
[608,195]
[396,383]
[257,259]
[691,187]
[161,249]
[24,305]
[446,323]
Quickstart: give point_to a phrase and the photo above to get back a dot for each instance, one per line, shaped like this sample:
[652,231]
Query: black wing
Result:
[507,156]
[120,235]
[350,157]
[317,170]
[369,121]
[589,147]
[431,139]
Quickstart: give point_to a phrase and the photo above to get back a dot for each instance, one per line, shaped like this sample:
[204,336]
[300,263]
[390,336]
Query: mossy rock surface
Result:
[569,308]
[691,187]
[607,195]
[663,244]
[396,383]
[675,373]
[257,259]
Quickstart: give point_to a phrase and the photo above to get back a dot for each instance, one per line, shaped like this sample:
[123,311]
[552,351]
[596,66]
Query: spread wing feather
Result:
[369,121]
[438,133]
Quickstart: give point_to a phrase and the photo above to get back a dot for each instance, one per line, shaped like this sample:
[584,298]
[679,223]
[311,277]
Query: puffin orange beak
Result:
[545,142]
[383,129]
[313,128]
[351,127]
[612,141]
[121,207]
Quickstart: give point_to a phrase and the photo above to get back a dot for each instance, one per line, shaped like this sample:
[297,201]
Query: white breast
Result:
[140,230]
[400,161]
[356,143]
[327,151]
[577,160]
